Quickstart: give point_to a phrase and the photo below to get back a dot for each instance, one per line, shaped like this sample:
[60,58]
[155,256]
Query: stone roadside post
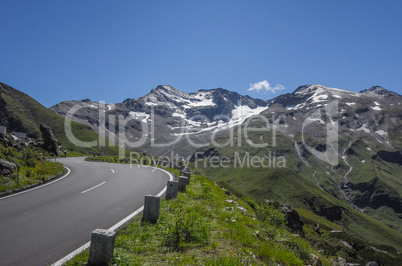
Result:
[151,208]
[188,175]
[102,247]
[183,181]
[172,189]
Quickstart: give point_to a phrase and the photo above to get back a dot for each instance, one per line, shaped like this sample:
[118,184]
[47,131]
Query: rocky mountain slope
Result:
[19,112]
[338,153]
[346,144]
[165,119]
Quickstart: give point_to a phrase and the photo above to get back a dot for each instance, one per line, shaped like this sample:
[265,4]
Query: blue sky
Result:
[113,50]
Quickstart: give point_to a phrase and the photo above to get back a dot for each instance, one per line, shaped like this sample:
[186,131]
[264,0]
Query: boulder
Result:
[50,142]
[294,221]
[317,229]
[7,168]
[5,140]
[341,261]
[315,260]
[208,153]
[333,213]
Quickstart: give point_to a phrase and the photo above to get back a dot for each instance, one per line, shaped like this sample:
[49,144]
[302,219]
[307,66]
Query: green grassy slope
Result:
[288,186]
[31,168]
[22,113]
[206,226]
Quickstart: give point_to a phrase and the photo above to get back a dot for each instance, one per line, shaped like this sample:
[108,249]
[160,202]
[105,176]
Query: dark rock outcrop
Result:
[209,153]
[388,156]
[375,194]
[7,168]
[333,213]
[294,221]
[50,142]
[5,140]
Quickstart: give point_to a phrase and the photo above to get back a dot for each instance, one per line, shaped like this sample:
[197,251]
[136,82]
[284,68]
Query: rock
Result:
[372,263]
[242,209]
[294,221]
[209,153]
[341,261]
[333,213]
[346,244]
[7,168]
[315,260]
[317,229]
[50,142]
[5,140]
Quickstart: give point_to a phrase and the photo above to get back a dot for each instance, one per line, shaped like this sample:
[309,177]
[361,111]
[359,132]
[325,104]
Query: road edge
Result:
[29,188]
[115,227]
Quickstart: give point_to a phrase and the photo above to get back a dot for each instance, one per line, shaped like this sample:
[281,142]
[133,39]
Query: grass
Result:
[27,115]
[295,185]
[285,186]
[32,169]
[206,226]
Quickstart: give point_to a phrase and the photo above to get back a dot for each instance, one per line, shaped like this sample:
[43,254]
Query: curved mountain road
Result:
[41,226]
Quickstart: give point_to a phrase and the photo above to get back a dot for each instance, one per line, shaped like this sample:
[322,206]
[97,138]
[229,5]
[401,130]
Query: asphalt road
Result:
[43,225]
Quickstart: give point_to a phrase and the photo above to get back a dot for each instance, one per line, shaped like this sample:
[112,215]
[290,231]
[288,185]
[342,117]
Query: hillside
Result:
[292,182]
[19,112]
[209,224]
[346,143]
[166,119]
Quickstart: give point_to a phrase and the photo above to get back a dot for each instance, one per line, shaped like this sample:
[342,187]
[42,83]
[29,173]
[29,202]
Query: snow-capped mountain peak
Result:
[378,90]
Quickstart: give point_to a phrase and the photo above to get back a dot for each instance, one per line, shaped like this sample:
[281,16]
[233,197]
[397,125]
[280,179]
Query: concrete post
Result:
[151,208]
[183,181]
[171,190]
[188,175]
[102,247]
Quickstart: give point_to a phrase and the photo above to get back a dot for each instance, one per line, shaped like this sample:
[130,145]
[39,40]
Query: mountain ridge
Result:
[20,112]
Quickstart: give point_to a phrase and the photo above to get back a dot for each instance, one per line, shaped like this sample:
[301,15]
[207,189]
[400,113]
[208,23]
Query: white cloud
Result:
[265,87]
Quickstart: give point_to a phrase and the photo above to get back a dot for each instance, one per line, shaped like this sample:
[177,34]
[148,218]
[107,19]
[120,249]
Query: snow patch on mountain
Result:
[143,117]
[364,128]
[382,133]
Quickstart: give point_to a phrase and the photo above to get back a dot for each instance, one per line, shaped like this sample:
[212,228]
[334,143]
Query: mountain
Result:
[169,118]
[341,151]
[19,112]
[345,146]
[379,91]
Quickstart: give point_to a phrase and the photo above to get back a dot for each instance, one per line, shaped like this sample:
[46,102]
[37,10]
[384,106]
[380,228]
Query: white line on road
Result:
[114,227]
[93,187]
[112,171]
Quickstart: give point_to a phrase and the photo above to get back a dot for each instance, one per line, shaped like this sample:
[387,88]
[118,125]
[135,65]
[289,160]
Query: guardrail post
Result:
[188,175]
[183,181]
[102,247]
[151,208]
[171,190]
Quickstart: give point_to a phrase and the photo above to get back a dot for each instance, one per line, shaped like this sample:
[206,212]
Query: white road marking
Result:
[93,187]
[44,185]
[112,171]
[113,228]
